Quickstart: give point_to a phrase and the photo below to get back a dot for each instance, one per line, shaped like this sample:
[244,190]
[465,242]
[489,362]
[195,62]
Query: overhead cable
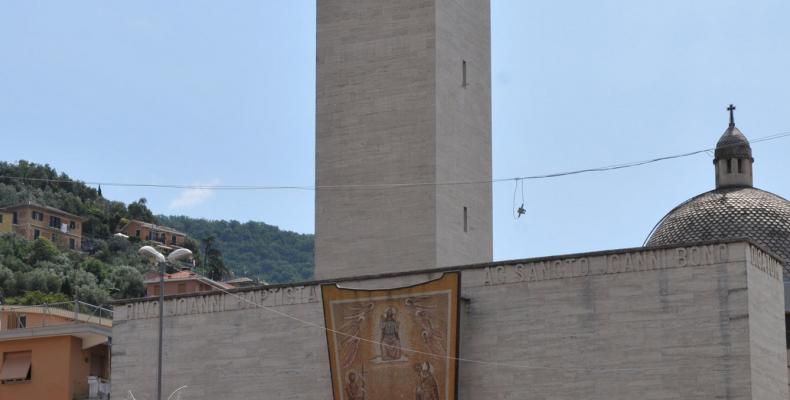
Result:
[396,185]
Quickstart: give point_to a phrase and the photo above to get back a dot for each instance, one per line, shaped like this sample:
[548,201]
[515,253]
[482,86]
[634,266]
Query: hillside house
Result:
[31,221]
[153,232]
[182,282]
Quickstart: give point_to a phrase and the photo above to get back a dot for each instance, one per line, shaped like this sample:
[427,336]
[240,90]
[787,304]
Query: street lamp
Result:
[155,257]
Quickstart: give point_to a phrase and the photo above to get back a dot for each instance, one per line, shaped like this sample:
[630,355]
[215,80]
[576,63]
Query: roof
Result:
[243,279]
[154,227]
[186,276]
[729,213]
[733,144]
[31,204]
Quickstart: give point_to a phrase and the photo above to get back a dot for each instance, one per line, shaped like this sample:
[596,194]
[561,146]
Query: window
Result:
[72,244]
[54,222]
[466,220]
[36,233]
[13,218]
[1,218]
[21,321]
[72,225]
[740,166]
[53,237]
[172,238]
[37,216]
[729,166]
[182,288]
[464,83]
[787,330]
[16,367]
[137,233]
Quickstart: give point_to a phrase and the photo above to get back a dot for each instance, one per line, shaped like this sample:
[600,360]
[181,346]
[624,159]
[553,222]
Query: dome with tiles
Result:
[734,210]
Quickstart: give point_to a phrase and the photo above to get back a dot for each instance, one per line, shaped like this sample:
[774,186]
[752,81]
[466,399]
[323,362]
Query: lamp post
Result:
[156,257]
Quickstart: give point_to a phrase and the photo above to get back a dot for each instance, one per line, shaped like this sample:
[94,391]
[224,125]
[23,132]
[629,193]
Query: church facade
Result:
[404,99]
[691,322]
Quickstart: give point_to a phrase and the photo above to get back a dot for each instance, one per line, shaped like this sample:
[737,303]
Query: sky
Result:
[222,93]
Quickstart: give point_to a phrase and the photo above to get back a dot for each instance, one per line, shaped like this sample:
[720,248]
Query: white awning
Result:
[15,367]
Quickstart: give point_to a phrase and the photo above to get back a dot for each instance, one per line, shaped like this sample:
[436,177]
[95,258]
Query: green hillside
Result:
[253,249]
[109,267]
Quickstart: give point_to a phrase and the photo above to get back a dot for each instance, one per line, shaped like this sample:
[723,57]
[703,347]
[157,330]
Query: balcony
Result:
[90,323]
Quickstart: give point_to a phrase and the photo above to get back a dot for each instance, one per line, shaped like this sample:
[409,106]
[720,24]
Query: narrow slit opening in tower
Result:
[463,74]
[466,220]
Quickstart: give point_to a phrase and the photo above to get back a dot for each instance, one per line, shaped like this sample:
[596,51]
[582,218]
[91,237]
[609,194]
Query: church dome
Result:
[734,210]
[729,213]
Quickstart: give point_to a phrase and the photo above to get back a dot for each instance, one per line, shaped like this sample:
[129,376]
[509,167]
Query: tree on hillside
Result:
[127,282]
[42,250]
[213,265]
[139,210]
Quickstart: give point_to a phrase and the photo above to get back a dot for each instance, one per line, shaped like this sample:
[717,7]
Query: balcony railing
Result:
[20,317]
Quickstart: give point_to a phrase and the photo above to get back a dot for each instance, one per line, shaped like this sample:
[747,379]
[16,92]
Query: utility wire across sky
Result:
[399,185]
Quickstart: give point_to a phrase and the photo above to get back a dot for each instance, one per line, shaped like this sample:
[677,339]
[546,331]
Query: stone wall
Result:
[681,323]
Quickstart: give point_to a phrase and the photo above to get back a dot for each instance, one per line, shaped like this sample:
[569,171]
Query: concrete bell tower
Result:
[733,157]
[403,107]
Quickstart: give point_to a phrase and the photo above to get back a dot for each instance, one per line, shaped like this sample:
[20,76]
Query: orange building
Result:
[157,233]
[182,282]
[32,221]
[50,352]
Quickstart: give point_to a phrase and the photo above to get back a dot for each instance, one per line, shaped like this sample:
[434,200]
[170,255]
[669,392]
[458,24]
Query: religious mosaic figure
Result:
[427,388]
[390,336]
[386,334]
[355,387]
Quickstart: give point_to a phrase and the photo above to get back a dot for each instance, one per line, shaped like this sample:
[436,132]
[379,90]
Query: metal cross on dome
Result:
[731,109]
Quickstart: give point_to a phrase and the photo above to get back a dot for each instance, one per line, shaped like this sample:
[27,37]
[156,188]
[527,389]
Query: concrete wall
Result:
[390,109]
[765,313]
[683,323]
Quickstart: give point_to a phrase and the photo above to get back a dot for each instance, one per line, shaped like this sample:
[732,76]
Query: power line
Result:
[434,355]
[399,185]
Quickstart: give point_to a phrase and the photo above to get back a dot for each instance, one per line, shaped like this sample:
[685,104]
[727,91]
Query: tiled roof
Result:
[733,144]
[153,277]
[729,213]
[31,204]
[154,227]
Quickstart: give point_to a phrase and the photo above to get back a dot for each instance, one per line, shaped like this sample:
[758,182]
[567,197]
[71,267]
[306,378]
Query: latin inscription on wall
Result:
[603,264]
[210,303]
[646,260]
[765,263]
